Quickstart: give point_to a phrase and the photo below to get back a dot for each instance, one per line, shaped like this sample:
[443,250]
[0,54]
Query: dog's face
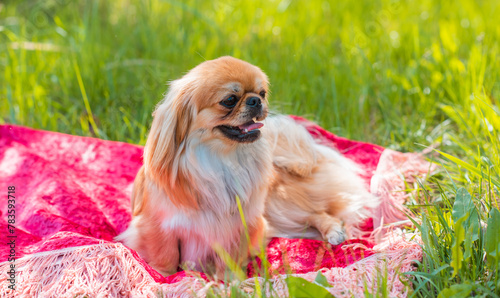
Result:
[218,103]
[231,100]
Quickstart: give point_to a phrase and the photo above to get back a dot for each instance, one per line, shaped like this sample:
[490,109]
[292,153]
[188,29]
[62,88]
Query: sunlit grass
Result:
[402,74]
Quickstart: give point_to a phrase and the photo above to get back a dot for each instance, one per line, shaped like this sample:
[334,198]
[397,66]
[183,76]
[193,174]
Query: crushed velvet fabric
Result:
[73,193]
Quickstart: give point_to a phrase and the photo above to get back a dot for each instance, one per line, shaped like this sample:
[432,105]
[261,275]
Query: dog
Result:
[212,153]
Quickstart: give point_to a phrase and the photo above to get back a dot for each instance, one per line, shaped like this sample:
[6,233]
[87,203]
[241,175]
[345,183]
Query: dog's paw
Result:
[336,235]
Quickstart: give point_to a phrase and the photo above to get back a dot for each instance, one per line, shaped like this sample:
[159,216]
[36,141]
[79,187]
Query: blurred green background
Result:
[375,71]
[402,74]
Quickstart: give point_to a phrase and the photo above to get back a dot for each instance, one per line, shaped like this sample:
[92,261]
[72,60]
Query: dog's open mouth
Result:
[245,133]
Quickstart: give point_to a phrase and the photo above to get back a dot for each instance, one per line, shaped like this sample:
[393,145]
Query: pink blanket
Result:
[71,196]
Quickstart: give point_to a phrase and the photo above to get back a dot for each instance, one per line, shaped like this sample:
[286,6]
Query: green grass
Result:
[402,74]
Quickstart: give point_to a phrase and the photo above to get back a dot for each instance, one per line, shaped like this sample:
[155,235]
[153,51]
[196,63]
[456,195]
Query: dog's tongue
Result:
[250,126]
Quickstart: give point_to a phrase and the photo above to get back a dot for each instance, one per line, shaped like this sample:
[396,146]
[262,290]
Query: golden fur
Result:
[317,192]
[202,152]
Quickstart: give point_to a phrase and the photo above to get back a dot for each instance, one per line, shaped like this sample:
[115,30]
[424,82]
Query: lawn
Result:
[402,74]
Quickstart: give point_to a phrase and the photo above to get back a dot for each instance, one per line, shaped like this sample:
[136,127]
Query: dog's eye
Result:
[229,102]
[262,94]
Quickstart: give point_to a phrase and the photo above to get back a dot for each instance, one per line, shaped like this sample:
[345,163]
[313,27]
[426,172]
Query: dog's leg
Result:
[164,255]
[251,246]
[158,247]
[331,228]
[257,233]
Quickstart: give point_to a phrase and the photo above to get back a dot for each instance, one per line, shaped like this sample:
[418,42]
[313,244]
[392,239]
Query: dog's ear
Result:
[166,144]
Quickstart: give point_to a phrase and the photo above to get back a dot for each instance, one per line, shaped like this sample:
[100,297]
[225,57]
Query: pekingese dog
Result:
[208,148]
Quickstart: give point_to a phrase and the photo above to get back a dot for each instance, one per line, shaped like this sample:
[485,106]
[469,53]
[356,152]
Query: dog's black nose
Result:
[253,102]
